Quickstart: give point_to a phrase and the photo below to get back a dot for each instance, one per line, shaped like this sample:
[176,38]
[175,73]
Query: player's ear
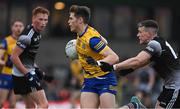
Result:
[81,20]
[33,18]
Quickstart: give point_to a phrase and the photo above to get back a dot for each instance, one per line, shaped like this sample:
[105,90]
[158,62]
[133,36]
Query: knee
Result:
[30,105]
[1,103]
[12,105]
[44,105]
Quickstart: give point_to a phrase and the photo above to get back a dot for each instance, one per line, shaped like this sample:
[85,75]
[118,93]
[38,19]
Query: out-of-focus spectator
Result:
[76,81]
[144,83]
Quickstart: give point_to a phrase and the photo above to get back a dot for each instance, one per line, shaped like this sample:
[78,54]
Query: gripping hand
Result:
[106,66]
[91,61]
[42,75]
[103,65]
[32,79]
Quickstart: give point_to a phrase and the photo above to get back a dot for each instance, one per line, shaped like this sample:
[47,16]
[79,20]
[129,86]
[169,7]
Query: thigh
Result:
[21,87]
[29,102]
[89,100]
[177,103]
[168,98]
[158,105]
[107,100]
[38,97]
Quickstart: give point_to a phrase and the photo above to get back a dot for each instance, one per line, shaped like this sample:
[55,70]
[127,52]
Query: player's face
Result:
[40,21]
[143,35]
[17,28]
[73,22]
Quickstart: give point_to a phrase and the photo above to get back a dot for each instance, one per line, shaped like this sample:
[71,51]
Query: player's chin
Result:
[72,29]
[41,28]
[18,33]
[141,42]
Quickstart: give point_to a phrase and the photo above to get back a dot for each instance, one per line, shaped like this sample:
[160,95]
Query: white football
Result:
[70,49]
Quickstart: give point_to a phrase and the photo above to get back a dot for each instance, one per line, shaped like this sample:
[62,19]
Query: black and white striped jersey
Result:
[165,61]
[29,40]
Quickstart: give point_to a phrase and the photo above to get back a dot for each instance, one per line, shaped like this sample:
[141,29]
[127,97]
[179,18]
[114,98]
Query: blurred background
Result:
[115,19]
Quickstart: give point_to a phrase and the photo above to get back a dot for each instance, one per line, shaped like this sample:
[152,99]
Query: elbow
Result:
[116,58]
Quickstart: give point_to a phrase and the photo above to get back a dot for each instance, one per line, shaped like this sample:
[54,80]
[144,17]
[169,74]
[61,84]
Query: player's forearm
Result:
[127,64]
[2,63]
[16,61]
[111,59]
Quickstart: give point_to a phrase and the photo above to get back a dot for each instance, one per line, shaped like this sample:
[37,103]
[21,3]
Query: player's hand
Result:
[103,65]
[32,79]
[42,75]
[106,66]
[91,61]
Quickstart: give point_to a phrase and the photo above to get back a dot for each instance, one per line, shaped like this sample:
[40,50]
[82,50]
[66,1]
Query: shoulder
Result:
[28,30]
[94,40]
[154,47]
[24,38]
[8,37]
[96,44]
[93,32]
[23,41]
[154,43]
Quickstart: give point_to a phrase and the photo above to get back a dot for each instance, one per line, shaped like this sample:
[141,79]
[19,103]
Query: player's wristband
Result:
[125,72]
[114,67]
[98,63]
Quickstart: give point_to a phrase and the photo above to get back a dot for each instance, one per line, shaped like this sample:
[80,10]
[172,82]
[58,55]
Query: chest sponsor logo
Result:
[83,46]
[37,38]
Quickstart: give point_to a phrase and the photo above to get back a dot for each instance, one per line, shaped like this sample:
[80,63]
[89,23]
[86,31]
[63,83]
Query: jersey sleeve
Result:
[96,44]
[3,44]
[23,41]
[153,48]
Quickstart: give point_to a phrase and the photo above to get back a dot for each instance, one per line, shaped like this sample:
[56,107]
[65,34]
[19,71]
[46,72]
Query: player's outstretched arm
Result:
[142,59]
[100,47]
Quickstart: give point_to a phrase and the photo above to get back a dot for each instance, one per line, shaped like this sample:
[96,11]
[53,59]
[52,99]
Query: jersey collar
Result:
[84,31]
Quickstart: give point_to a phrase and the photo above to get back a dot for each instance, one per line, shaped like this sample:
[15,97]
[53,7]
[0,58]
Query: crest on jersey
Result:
[84,46]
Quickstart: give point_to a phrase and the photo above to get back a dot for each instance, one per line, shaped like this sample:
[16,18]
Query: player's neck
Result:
[151,38]
[35,28]
[14,36]
[82,29]
[155,35]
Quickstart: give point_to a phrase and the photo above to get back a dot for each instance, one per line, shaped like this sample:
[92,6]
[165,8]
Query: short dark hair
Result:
[149,24]
[16,20]
[81,11]
[40,9]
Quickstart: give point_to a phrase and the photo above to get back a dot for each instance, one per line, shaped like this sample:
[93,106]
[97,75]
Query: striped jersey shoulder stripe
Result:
[99,45]
[31,33]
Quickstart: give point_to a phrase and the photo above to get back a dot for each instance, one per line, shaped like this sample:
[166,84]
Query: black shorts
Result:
[169,98]
[21,87]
